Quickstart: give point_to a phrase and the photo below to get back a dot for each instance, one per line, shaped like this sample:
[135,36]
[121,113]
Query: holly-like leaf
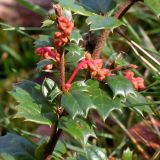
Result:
[127,154]
[99,6]
[120,86]
[96,153]
[101,99]
[50,89]
[79,129]
[14,147]
[59,151]
[47,23]
[32,104]
[42,41]
[103,22]
[76,36]
[41,64]
[75,53]
[154,5]
[75,7]
[138,103]
[88,95]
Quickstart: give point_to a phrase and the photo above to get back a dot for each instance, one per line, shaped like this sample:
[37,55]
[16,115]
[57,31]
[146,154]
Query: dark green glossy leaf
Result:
[85,96]
[78,128]
[76,36]
[15,147]
[47,23]
[96,153]
[101,99]
[99,6]
[103,22]
[32,104]
[77,103]
[120,86]
[138,103]
[75,7]
[127,155]
[41,64]
[59,151]
[154,5]
[75,53]
[50,89]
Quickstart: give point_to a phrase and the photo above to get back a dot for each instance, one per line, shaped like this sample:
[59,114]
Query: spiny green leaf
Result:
[47,23]
[102,22]
[75,7]
[101,99]
[41,64]
[138,103]
[76,36]
[32,105]
[96,153]
[78,128]
[88,95]
[77,103]
[120,86]
[75,53]
[127,154]
[154,5]
[99,6]
[15,147]
[50,89]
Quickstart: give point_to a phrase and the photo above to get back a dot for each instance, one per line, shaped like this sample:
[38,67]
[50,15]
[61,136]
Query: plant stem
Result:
[62,72]
[105,33]
[56,132]
[52,142]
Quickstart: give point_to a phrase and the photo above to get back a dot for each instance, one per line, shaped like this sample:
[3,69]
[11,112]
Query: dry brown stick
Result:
[101,40]
[62,72]
[138,146]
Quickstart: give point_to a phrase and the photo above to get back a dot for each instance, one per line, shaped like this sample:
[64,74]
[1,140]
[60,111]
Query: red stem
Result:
[79,66]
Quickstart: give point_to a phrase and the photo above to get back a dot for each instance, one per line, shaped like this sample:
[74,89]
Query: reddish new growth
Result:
[137,82]
[48,53]
[61,38]
[65,28]
[94,66]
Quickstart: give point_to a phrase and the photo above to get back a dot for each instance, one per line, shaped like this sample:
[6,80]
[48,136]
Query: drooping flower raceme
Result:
[137,82]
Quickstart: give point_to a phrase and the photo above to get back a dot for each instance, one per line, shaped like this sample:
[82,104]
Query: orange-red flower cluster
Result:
[95,68]
[65,27]
[137,82]
[48,53]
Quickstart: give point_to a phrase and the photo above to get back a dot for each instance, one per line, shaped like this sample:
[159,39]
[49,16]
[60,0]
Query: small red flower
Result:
[65,25]
[137,82]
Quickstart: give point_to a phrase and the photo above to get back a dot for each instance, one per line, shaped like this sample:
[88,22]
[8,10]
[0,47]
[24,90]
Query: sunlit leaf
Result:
[77,128]
[50,89]
[120,86]
[32,104]
[127,155]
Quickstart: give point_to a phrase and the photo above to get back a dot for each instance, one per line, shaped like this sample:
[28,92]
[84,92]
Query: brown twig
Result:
[105,33]
[138,146]
[62,72]
[52,143]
